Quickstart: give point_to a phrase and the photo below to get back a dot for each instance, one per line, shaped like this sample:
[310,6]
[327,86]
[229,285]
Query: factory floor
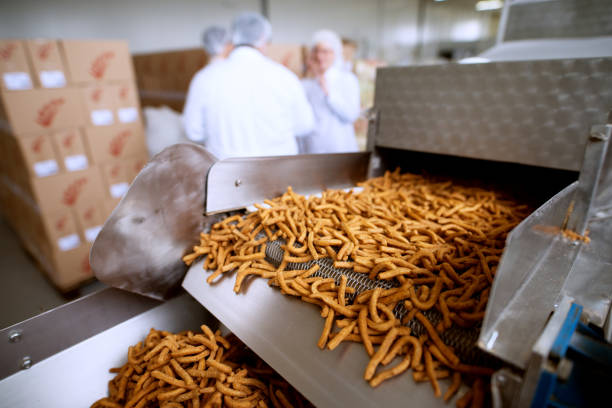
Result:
[24,290]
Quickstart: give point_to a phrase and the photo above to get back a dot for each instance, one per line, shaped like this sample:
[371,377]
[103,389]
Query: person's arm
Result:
[193,112]
[303,117]
[343,98]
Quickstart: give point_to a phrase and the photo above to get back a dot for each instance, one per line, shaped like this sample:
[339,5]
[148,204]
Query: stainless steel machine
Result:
[539,129]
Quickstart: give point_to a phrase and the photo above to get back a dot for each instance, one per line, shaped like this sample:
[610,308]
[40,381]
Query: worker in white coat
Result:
[217,44]
[248,105]
[334,96]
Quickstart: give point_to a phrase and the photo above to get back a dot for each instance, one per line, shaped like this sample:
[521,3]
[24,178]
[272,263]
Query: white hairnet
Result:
[251,29]
[215,39]
[331,39]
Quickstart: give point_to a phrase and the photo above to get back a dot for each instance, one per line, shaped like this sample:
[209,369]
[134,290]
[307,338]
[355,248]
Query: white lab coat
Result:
[247,105]
[334,113]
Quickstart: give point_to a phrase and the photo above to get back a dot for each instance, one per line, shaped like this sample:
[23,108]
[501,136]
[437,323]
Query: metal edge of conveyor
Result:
[24,344]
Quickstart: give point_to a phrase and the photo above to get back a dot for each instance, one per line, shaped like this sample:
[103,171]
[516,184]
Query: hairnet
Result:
[251,29]
[331,39]
[215,39]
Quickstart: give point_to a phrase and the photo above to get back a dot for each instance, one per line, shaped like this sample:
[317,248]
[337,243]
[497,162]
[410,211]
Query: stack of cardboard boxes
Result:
[164,77]
[71,141]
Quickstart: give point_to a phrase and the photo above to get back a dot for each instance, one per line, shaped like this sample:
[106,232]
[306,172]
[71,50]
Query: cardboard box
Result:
[68,190]
[99,102]
[71,151]
[95,61]
[127,103]
[117,142]
[14,66]
[71,268]
[118,176]
[91,218]
[289,55]
[40,110]
[39,155]
[62,230]
[47,64]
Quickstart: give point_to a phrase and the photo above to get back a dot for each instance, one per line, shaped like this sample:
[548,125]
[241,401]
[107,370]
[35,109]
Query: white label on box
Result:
[118,190]
[17,80]
[92,233]
[68,242]
[52,79]
[127,115]
[76,162]
[45,168]
[102,117]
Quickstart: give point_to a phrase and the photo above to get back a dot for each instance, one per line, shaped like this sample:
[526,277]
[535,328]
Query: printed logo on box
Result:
[118,143]
[68,140]
[123,92]
[115,171]
[7,52]
[61,223]
[44,51]
[71,194]
[37,144]
[96,94]
[99,65]
[85,266]
[47,113]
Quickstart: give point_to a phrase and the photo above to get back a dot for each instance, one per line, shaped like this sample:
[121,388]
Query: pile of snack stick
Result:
[438,241]
[196,370]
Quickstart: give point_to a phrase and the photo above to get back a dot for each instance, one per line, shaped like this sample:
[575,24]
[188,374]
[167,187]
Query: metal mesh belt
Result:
[462,340]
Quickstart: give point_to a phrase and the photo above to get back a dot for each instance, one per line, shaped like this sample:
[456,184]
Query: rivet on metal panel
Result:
[26,362]
[238,182]
[14,336]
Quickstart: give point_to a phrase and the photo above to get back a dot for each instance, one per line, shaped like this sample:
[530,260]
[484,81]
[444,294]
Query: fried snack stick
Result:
[439,241]
[234,376]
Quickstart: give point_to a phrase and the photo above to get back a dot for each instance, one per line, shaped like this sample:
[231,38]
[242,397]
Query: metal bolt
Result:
[26,362]
[14,336]
[564,369]
[238,182]
[501,379]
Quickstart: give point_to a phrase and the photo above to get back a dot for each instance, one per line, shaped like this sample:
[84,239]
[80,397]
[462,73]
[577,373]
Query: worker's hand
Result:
[323,84]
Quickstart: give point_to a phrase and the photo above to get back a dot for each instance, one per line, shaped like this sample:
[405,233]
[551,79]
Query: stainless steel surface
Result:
[78,375]
[505,385]
[237,183]
[284,332]
[558,19]
[592,164]
[48,333]
[540,354]
[590,279]
[141,245]
[533,112]
[603,201]
[528,281]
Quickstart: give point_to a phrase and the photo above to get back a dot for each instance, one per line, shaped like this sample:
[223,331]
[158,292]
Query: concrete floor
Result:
[24,290]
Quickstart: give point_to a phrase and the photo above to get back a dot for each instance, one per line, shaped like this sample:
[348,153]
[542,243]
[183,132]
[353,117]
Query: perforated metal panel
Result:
[559,19]
[529,112]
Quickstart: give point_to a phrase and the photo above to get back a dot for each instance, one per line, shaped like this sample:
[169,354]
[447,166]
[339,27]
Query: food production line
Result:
[537,129]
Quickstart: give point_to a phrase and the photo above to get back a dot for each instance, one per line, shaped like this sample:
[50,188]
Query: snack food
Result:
[196,370]
[435,244]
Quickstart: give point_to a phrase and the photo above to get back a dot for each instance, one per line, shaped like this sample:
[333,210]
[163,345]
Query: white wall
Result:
[383,28]
[148,25]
